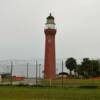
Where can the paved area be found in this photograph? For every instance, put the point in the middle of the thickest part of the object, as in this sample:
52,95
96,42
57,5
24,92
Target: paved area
30,81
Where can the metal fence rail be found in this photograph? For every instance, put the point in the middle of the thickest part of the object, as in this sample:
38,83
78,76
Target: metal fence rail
31,72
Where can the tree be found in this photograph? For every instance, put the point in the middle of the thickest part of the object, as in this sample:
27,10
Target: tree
78,70
86,66
90,67
71,64
95,67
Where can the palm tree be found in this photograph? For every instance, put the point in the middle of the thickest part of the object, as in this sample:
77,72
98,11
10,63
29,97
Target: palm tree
71,64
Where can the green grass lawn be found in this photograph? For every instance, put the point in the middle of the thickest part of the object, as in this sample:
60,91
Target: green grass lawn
44,93
71,82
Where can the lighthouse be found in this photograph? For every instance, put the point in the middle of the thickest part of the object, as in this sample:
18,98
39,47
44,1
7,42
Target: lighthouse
50,56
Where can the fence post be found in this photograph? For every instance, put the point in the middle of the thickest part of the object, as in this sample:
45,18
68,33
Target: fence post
39,70
11,81
27,69
62,73
36,71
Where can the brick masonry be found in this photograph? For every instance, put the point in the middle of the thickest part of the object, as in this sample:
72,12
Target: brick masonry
50,60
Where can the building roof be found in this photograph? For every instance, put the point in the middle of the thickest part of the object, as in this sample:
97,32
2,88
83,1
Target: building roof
63,73
50,16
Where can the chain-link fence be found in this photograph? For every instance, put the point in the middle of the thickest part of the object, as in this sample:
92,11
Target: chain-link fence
31,72
21,71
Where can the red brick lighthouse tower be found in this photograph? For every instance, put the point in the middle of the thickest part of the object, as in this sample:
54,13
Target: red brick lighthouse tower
50,60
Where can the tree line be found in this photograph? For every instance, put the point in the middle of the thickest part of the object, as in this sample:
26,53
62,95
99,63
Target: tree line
87,68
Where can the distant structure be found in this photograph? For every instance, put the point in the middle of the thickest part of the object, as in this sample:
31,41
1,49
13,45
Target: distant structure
50,60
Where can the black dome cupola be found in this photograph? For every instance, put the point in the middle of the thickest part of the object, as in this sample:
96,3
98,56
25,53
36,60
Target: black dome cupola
50,24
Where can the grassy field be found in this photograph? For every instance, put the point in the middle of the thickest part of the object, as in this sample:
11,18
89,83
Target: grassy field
83,91
37,93
71,82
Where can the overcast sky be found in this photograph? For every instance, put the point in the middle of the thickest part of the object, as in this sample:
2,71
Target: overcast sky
22,25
